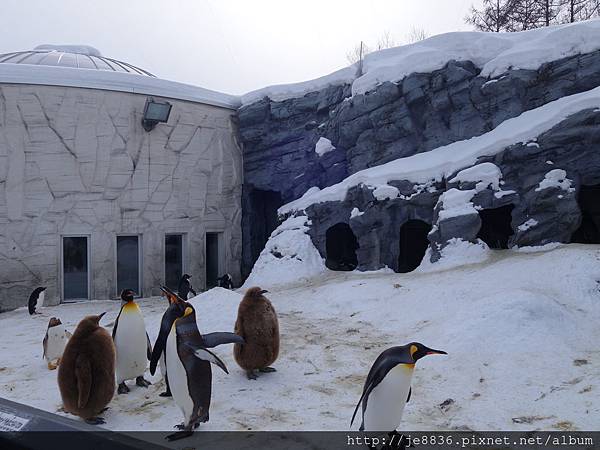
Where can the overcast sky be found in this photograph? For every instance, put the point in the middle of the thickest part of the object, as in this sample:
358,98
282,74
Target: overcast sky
232,46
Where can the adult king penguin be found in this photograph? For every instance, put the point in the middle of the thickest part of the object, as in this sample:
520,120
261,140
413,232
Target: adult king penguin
132,343
387,388
37,296
188,365
174,310
86,374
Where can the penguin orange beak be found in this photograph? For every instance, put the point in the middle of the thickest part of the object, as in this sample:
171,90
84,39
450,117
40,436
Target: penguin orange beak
435,352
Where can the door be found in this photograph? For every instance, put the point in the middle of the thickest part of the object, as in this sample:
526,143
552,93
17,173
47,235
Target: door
128,264
173,260
212,259
75,262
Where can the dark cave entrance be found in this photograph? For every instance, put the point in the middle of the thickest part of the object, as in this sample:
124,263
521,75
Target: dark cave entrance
341,245
263,218
589,204
495,226
413,244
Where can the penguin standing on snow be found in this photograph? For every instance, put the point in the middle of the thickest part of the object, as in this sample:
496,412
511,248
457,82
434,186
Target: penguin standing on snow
185,287
54,342
37,296
387,388
175,309
132,343
188,365
86,374
257,323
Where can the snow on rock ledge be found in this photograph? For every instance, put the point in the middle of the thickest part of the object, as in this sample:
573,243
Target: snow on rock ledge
494,53
289,256
455,253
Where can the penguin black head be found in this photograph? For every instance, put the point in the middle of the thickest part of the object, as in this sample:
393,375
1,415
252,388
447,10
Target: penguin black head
186,276
418,351
54,321
127,295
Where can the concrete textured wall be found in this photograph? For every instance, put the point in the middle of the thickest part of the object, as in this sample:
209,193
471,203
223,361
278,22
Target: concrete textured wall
77,161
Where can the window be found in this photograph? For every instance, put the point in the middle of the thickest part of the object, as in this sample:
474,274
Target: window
173,260
212,259
128,264
75,263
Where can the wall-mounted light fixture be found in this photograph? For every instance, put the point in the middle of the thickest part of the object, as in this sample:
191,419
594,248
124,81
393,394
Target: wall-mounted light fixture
155,112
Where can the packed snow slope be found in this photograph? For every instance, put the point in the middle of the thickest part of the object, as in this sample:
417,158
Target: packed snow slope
494,53
521,332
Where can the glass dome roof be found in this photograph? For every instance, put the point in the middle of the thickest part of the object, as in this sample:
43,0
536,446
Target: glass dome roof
74,56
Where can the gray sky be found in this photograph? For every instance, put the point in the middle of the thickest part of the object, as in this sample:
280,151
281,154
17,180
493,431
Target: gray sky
232,46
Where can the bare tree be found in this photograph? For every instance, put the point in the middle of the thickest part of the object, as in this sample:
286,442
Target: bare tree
576,10
526,15
357,53
495,15
386,40
416,34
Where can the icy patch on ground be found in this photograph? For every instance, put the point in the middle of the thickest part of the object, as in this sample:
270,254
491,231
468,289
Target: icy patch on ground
456,253
289,256
538,248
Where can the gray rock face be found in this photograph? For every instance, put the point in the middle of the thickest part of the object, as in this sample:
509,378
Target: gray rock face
420,113
539,214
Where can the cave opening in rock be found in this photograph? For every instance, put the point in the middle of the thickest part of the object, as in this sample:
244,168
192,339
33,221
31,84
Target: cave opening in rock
496,226
589,204
413,244
341,245
263,218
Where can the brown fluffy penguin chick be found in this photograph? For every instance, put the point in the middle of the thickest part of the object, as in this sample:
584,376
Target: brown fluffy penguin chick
257,324
86,375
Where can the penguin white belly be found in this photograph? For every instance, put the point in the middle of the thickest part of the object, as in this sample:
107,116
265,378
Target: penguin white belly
131,344
387,400
55,345
178,378
41,298
162,363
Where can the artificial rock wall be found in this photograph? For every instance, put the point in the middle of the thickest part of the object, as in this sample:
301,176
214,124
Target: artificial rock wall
77,161
422,112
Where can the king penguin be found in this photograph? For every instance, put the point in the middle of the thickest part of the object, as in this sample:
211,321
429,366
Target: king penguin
37,296
86,374
54,342
387,388
174,310
132,343
188,365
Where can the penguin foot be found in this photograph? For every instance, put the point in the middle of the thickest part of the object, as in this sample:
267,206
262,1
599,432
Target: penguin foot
251,375
267,369
165,394
179,435
123,388
95,421
140,381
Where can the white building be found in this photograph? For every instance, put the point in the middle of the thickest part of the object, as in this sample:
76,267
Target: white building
91,202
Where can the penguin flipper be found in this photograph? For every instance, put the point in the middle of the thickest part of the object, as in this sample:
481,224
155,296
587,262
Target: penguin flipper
207,355
409,394
212,340
45,344
114,330
148,347
83,374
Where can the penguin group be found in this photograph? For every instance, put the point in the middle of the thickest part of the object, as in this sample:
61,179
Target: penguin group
92,363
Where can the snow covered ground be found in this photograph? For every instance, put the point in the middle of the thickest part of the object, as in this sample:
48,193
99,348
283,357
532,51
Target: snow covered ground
521,332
